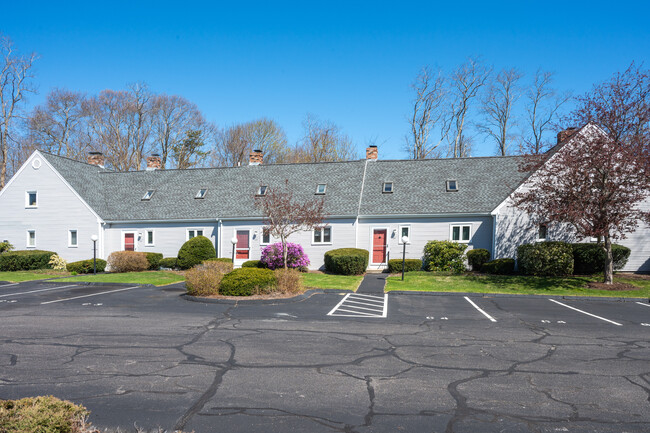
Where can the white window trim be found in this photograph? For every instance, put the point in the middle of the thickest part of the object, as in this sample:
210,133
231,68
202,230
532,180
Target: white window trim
135,239
539,239
399,234
27,239
70,244
27,205
447,184
146,238
460,241
189,229
372,245
322,237
392,187
262,238
324,189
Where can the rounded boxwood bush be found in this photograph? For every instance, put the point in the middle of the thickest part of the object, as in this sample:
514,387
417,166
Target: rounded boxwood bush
247,282
86,266
168,262
590,258
347,261
195,251
499,267
253,264
477,257
444,256
154,260
550,259
219,259
25,260
395,265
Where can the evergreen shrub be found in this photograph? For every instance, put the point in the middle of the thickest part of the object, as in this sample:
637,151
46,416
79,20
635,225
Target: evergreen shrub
445,256
477,258
499,267
25,260
550,259
86,266
195,251
589,258
247,282
347,261
395,265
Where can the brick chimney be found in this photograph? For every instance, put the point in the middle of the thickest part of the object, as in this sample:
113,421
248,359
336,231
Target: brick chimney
96,158
563,136
256,157
154,162
371,152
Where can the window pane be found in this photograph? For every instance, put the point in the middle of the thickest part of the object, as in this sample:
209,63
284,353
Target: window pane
150,237
266,237
405,232
465,233
73,237
317,236
32,239
32,199
388,187
542,231
327,234
190,234
455,233
199,232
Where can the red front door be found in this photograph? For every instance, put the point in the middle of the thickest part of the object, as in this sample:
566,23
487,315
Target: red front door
242,250
129,242
379,246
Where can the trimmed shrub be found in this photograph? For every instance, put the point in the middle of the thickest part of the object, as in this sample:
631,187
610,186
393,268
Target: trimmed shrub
347,261
550,259
195,251
5,246
168,262
86,266
289,280
252,264
477,258
273,258
590,258
127,261
57,262
25,260
204,279
219,259
444,256
395,265
154,260
499,267
247,282
46,414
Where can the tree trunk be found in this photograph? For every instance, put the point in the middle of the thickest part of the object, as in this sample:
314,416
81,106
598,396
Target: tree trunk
284,252
609,261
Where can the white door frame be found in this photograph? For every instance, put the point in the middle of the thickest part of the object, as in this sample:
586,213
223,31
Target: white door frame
372,245
135,239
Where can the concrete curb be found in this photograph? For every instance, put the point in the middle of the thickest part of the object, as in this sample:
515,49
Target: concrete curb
89,283
298,298
509,295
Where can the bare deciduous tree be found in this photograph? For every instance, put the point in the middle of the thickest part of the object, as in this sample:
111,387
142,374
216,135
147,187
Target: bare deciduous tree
543,105
15,83
323,142
58,125
466,81
502,93
234,144
286,215
429,112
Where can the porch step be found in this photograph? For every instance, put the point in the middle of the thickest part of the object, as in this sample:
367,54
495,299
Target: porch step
373,284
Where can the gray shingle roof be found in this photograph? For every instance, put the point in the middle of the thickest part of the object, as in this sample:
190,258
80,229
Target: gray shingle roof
419,187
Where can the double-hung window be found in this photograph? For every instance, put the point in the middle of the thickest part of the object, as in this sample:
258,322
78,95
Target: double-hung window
73,239
461,233
148,240
323,235
404,231
191,233
266,236
31,199
31,238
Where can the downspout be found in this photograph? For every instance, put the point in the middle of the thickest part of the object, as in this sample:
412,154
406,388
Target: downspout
356,221
218,237
494,236
100,235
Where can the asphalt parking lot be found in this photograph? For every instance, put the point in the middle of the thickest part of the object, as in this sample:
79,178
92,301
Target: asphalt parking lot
432,363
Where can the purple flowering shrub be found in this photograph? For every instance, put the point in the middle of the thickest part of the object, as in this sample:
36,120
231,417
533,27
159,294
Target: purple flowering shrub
273,257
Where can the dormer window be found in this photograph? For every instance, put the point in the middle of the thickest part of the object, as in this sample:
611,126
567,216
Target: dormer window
201,193
262,190
148,194
452,185
320,189
387,188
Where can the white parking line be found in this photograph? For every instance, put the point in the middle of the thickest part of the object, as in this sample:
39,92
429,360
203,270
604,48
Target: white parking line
645,305
12,284
88,296
39,290
354,303
339,304
374,298
492,319
379,302
584,312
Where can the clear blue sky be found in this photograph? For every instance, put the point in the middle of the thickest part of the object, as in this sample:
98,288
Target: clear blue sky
348,62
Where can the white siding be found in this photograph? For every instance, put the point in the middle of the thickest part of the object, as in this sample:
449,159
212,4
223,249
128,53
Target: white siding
422,231
639,243
168,237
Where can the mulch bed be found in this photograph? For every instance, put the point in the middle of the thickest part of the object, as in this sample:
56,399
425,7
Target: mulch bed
615,287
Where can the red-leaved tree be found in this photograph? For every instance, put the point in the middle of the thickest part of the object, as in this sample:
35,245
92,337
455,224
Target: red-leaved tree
285,215
597,180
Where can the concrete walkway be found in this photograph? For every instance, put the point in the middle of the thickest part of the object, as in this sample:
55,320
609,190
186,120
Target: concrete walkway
373,284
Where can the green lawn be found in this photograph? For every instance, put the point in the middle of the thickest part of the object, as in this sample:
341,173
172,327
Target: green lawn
511,284
329,281
41,274
157,278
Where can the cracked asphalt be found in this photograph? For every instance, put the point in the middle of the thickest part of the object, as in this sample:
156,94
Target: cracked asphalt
147,357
